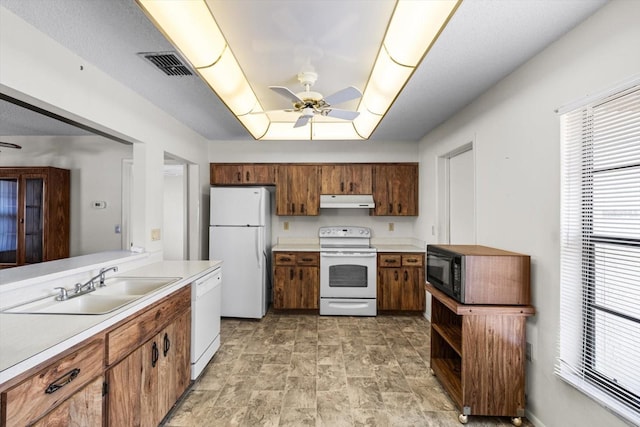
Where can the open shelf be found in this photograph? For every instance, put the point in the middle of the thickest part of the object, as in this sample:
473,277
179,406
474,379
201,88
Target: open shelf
448,372
452,334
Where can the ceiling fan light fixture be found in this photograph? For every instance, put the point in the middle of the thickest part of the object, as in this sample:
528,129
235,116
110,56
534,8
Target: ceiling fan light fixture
413,28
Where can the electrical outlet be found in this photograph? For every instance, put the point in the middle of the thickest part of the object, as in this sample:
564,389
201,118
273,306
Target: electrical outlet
391,226
529,352
285,225
155,234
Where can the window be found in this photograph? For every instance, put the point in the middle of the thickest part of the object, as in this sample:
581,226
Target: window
599,347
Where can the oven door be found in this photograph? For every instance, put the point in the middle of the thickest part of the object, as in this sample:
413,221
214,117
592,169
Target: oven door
348,274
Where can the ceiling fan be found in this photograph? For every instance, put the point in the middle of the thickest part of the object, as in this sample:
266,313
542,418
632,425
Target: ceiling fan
310,103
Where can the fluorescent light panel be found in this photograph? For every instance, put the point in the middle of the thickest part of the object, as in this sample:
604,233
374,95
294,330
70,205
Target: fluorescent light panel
412,30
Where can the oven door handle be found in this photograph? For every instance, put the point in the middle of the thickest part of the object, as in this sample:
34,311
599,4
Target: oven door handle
348,254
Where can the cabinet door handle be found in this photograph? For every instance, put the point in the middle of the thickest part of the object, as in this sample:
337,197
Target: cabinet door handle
62,381
406,275
342,187
399,207
390,207
302,208
300,274
395,275
351,187
239,177
154,354
293,208
247,175
167,345
291,274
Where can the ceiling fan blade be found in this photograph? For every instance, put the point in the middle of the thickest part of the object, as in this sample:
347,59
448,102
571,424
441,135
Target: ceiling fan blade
346,94
342,114
302,120
286,92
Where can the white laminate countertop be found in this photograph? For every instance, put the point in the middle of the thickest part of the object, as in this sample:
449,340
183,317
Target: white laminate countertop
381,247
27,340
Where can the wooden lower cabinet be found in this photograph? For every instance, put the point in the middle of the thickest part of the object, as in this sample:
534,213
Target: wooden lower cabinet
144,386
143,364
84,408
59,391
478,355
401,282
296,283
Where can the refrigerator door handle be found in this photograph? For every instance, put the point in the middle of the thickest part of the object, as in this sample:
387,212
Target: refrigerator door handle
257,245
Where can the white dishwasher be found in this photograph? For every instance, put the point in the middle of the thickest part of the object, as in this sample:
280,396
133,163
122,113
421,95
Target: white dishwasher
206,296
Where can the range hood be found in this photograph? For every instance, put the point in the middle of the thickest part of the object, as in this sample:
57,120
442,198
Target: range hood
350,201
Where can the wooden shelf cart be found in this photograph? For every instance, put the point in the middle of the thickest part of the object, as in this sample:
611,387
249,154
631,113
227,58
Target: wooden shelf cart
478,355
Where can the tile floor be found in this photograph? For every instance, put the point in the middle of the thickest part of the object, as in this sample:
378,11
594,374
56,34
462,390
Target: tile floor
307,370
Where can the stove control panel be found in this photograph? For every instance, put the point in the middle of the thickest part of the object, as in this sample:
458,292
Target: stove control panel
334,232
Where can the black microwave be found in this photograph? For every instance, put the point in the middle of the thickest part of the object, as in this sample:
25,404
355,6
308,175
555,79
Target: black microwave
473,274
444,271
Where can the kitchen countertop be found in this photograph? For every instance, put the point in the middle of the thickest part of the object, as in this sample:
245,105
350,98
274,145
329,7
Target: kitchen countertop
27,340
382,245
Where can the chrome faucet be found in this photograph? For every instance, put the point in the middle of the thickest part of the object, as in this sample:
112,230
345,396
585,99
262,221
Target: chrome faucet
63,294
103,271
85,288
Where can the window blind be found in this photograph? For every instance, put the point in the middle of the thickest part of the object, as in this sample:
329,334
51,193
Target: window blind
599,340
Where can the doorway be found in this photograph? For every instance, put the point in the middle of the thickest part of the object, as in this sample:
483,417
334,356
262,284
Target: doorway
456,196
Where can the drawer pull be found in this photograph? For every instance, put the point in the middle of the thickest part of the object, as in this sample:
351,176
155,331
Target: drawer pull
283,259
307,259
390,261
63,381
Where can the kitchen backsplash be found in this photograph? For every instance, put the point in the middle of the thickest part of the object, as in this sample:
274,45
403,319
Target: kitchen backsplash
306,227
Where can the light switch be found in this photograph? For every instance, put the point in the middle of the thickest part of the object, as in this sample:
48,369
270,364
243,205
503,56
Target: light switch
98,204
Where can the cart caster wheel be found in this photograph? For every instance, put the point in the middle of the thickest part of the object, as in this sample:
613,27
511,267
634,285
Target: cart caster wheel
431,370
516,421
463,418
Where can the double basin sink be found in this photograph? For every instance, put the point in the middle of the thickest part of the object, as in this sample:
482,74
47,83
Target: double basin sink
117,292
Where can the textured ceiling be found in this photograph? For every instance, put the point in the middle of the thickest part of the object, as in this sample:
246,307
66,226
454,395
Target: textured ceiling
484,41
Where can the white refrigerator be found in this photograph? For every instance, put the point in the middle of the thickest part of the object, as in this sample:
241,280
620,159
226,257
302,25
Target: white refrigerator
240,236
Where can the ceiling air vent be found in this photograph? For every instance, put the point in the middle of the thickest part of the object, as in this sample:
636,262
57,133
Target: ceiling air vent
167,62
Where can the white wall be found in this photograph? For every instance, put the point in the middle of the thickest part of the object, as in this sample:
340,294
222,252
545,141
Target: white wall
517,143
39,71
323,152
96,175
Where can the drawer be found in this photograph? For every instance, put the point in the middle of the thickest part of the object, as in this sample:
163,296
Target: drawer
131,335
389,260
308,258
31,399
285,258
415,260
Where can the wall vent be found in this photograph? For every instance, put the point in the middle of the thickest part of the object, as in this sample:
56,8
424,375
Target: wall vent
167,62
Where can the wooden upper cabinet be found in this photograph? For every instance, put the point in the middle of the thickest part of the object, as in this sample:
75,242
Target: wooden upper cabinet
395,189
345,179
297,190
242,173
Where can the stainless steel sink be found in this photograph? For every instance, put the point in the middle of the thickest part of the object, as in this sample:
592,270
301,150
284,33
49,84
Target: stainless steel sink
117,292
